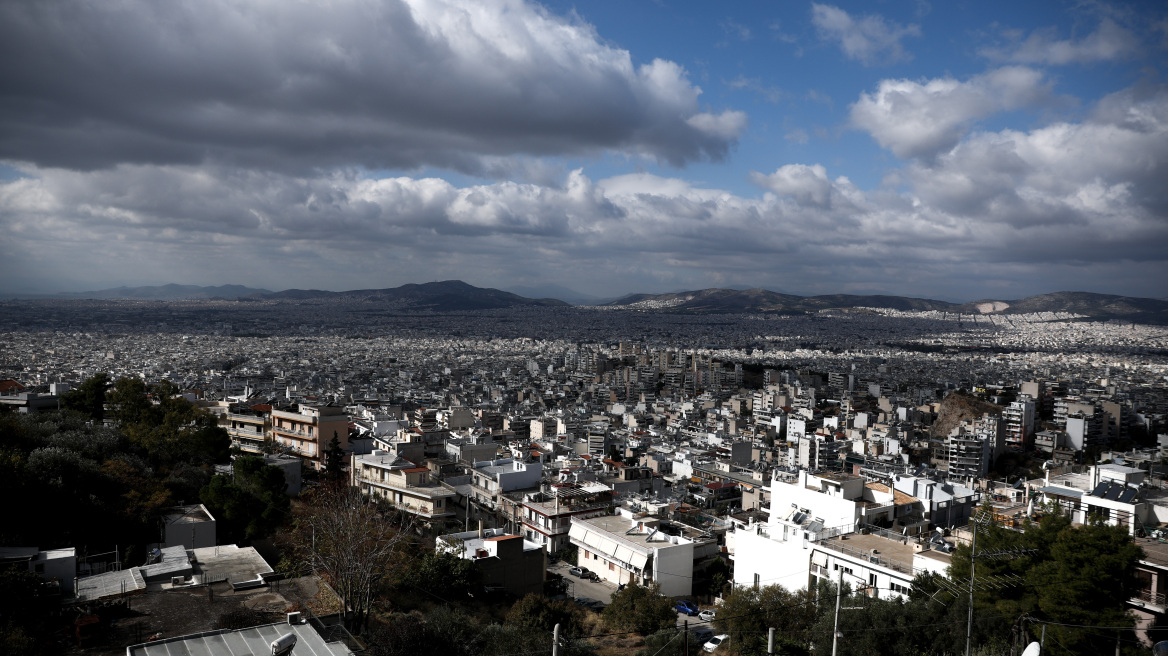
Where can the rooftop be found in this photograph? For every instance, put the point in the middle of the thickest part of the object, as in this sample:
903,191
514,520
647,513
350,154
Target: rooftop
894,554
256,640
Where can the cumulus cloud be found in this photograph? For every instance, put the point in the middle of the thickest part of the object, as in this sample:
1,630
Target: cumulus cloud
299,86
1107,43
1033,203
806,185
921,119
870,40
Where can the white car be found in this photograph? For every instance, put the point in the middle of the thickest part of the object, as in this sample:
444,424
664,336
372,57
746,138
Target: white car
714,642
707,615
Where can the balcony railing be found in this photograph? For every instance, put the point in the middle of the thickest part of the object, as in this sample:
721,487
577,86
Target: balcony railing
868,557
1154,598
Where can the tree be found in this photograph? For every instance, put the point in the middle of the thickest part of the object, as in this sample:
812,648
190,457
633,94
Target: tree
253,505
746,614
640,608
670,642
334,459
353,546
89,397
442,573
537,613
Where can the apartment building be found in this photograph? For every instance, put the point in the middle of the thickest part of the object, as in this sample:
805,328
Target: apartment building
806,511
1019,419
248,428
972,446
490,479
622,549
309,431
547,515
403,483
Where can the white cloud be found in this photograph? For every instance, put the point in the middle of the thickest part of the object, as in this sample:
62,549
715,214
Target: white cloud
807,185
1107,43
295,86
1033,203
920,119
869,39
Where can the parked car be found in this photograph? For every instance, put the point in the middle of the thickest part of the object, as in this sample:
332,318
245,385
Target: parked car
714,642
702,635
707,615
577,572
686,606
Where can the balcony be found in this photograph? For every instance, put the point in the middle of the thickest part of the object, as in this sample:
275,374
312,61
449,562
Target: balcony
1147,597
293,433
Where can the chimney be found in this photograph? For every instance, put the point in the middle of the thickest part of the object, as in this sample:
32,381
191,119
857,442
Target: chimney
480,529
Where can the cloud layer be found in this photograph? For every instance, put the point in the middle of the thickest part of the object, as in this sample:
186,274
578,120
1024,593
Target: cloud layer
1046,205
296,86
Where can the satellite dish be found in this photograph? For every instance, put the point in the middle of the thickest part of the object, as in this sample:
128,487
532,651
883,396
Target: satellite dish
1160,648
1032,649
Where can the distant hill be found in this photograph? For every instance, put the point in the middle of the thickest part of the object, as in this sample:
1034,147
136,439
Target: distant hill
446,296
1095,306
762,300
171,292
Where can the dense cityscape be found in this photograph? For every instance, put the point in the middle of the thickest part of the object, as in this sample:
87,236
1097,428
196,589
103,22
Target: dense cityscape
521,327
714,460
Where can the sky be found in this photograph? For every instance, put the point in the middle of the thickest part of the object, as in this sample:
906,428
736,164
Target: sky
949,150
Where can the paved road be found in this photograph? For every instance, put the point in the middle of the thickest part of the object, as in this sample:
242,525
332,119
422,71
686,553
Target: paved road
579,588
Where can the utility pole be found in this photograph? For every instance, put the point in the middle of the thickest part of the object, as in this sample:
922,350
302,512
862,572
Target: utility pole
556,640
686,639
972,561
839,592
771,641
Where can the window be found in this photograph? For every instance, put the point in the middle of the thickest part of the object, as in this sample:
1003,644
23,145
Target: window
611,567
872,580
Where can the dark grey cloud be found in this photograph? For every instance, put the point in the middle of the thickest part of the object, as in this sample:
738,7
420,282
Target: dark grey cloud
1069,205
299,86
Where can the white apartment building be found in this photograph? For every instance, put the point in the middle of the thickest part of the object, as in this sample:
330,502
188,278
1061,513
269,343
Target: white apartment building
623,549
806,512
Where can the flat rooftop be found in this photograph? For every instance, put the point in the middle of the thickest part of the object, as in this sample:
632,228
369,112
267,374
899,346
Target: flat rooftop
231,563
861,546
1155,552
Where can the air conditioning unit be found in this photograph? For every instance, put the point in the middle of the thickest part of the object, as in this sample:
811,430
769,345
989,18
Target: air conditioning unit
178,580
294,617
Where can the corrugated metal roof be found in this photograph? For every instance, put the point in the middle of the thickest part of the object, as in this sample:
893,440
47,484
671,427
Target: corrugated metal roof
255,641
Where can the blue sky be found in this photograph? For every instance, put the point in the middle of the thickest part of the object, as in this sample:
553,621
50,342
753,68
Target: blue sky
950,150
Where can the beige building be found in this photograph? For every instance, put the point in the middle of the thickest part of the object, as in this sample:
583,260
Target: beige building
247,431
403,483
308,432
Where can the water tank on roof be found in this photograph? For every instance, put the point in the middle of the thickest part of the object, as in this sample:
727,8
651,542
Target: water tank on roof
283,645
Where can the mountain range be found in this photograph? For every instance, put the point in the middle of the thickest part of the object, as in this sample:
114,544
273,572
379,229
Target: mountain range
1095,306
455,295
